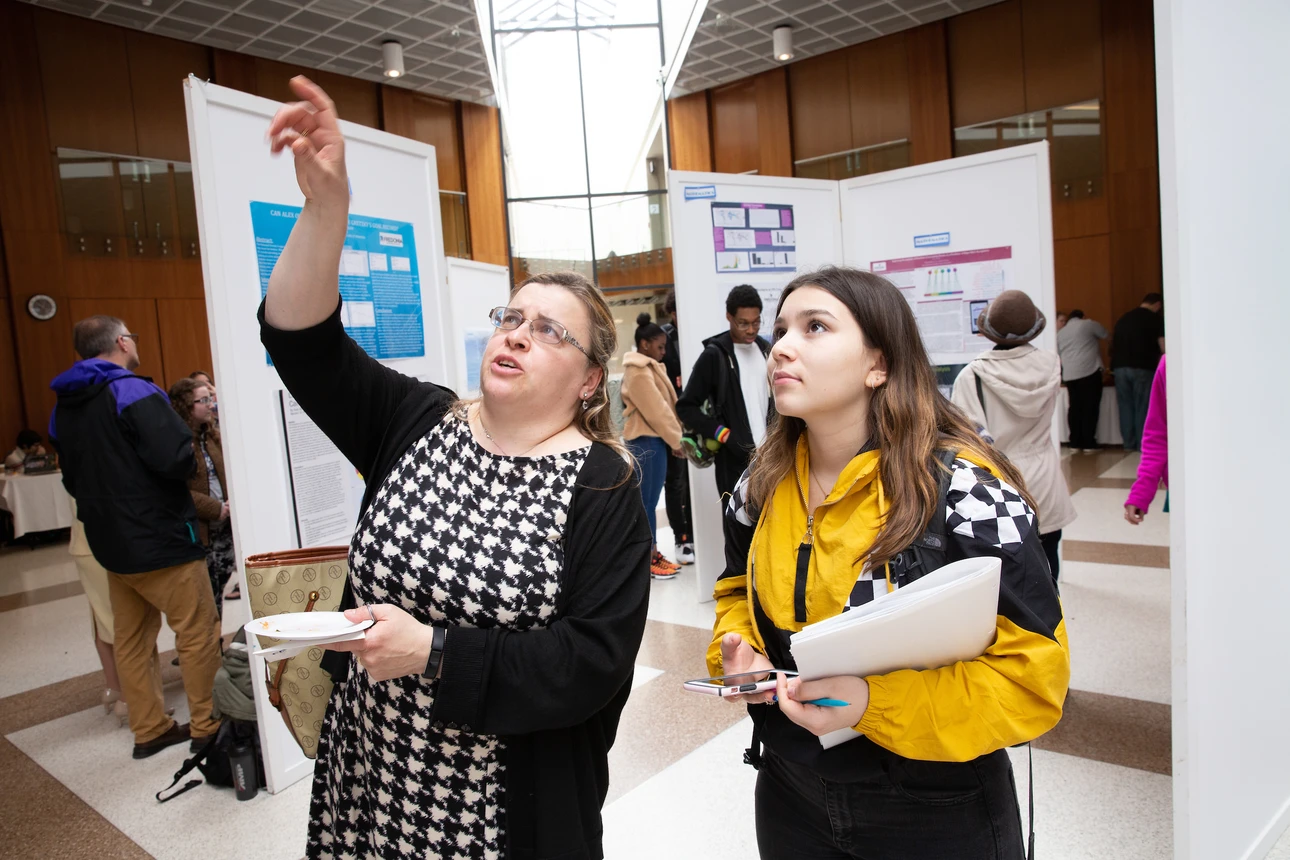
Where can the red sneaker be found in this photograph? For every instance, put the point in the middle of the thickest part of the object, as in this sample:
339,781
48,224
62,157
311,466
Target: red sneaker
661,568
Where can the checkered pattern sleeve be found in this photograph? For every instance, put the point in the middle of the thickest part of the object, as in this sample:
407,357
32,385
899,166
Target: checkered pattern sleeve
734,614
1014,691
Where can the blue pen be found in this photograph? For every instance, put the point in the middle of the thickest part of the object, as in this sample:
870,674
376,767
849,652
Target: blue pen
828,703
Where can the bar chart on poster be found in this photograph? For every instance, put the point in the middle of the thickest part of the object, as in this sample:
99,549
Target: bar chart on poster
754,237
947,292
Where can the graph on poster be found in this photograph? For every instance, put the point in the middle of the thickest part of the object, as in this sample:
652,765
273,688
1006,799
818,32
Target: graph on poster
948,291
754,237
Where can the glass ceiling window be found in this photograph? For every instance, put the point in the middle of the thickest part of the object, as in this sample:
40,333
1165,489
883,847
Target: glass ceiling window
580,84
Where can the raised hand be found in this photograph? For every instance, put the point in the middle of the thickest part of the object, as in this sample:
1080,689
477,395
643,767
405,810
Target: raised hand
310,129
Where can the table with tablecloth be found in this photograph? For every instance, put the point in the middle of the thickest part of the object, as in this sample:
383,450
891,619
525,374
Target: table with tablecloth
38,503
1108,418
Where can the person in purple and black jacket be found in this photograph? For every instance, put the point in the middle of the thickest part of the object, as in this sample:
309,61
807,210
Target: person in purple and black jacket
126,459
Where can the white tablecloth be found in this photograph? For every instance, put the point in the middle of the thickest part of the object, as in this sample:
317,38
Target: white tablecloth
38,502
1108,419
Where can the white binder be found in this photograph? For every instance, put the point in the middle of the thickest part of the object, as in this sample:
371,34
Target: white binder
945,617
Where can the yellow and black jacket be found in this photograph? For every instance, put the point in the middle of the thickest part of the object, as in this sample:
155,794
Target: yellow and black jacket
1011,694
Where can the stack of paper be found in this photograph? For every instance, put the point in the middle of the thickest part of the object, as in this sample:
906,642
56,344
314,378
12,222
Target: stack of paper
945,617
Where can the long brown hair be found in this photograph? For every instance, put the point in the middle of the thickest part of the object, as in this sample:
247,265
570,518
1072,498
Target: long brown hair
909,419
594,421
181,398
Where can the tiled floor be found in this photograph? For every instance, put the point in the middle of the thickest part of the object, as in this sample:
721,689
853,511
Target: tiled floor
1102,788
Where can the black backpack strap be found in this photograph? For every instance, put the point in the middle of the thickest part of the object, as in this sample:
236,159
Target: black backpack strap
752,755
930,550
980,396
189,766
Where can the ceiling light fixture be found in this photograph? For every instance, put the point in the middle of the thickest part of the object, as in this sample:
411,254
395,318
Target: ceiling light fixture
392,54
782,43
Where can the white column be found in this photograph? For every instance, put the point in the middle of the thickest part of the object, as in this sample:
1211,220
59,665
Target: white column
1223,75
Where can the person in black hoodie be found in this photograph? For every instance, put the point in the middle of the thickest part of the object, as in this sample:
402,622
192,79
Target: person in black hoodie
501,551
676,489
727,397
126,459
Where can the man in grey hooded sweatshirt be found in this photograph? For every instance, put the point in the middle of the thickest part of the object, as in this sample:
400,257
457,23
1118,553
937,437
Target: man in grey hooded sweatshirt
1012,391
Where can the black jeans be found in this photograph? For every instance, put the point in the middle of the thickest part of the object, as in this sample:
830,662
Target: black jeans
676,493
1050,542
913,811
1085,405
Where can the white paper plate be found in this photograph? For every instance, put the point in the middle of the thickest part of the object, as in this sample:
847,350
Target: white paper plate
304,626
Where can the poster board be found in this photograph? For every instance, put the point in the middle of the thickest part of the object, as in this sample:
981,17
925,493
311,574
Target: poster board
474,289
712,217
394,181
954,234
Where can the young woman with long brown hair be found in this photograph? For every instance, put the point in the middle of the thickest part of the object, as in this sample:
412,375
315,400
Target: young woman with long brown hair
864,461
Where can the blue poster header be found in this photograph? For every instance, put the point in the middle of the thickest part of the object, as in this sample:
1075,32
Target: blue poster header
700,192
931,240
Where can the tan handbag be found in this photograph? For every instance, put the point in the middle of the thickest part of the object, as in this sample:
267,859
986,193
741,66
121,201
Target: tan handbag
299,580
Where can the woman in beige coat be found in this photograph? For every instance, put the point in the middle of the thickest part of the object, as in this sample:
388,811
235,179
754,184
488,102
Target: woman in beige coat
651,429
1012,391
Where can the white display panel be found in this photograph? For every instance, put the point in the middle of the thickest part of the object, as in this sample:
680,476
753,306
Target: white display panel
703,281
392,179
990,219
474,289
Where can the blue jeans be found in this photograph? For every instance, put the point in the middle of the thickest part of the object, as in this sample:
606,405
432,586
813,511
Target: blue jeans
651,471
1132,394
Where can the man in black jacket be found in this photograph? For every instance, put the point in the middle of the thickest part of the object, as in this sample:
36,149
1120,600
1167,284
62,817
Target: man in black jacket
727,397
126,459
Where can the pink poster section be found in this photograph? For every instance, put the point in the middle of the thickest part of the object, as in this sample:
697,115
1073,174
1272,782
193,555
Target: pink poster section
948,292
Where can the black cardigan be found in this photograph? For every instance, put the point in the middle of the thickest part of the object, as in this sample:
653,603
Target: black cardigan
554,695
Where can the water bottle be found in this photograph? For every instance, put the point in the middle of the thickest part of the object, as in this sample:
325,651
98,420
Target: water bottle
241,761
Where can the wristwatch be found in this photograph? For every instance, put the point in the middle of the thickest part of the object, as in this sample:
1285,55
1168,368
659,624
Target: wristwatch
436,653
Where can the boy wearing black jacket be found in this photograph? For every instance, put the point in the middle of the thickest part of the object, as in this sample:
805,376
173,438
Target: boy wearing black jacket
730,377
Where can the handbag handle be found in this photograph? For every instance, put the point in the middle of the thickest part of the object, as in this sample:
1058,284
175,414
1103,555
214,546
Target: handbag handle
274,684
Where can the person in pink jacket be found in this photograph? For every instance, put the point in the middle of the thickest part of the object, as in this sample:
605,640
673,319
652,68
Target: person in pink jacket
1154,467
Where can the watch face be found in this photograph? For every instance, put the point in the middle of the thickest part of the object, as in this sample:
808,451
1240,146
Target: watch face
42,307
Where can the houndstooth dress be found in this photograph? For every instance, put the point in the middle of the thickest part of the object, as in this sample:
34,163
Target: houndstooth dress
456,536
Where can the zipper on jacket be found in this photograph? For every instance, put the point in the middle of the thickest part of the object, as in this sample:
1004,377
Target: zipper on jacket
803,560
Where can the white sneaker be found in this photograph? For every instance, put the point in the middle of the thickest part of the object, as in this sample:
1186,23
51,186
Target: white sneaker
685,553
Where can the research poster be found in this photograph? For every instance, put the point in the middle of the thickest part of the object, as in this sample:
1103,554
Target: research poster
326,489
380,287
947,293
754,237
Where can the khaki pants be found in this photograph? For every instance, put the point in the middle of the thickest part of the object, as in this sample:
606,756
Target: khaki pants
183,593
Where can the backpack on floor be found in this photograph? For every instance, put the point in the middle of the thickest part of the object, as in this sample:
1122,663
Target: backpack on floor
213,760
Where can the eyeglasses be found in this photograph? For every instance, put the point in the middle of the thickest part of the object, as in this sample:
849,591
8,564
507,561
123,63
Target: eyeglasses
544,330
206,401
742,325
133,337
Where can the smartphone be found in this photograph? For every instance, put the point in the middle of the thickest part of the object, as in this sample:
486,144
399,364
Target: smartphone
740,684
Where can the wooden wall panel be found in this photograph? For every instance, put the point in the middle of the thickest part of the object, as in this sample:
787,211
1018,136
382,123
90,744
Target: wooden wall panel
689,133
1133,172
429,120
44,348
1082,270
986,64
12,415
184,338
140,316
236,71
86,78
734,128
821,106
357,101
485,197
774,138
931,133
1082,216
1062,42
879,86
158,67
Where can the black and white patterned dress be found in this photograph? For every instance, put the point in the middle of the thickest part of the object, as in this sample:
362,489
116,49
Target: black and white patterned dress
456,536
